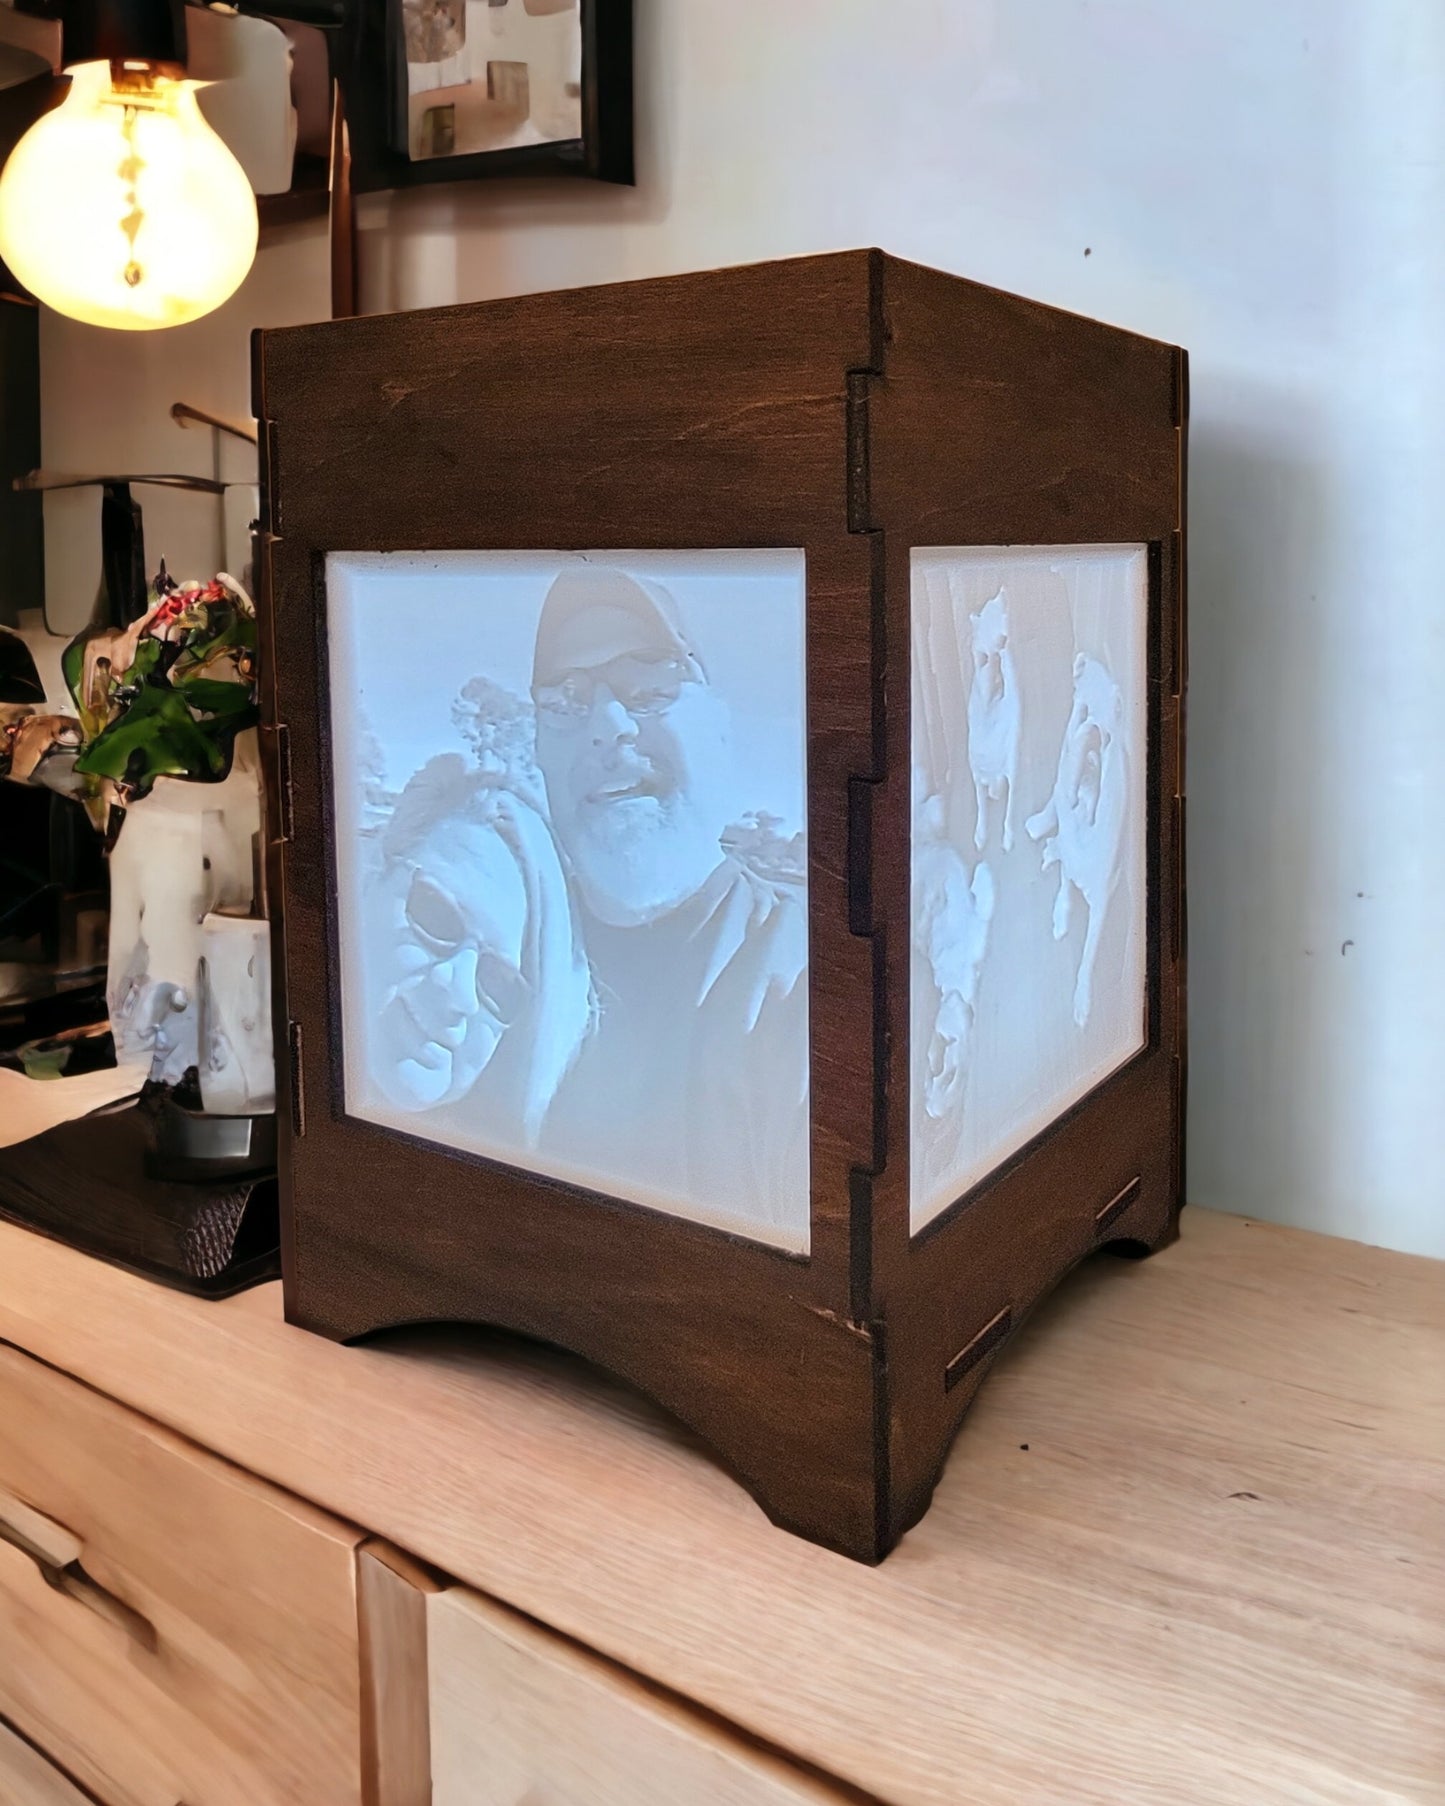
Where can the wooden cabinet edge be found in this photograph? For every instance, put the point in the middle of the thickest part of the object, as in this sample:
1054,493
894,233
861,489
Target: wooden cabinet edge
29,1778
633,1713
145,1527
391,1603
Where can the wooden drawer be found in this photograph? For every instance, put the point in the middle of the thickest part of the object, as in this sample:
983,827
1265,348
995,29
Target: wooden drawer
28,1779
173,1629
521,1717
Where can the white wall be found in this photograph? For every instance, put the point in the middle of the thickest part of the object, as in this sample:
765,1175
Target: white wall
1261,183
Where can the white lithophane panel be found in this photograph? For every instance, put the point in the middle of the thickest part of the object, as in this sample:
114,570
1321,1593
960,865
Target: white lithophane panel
569,795
1028,925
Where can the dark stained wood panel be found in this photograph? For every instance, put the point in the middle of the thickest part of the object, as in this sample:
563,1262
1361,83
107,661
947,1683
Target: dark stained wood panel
854,407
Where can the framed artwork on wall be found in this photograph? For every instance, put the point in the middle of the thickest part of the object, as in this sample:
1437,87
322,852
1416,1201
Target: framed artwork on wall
442,90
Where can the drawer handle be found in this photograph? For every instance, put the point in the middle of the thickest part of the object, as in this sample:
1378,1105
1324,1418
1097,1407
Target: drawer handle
55,1552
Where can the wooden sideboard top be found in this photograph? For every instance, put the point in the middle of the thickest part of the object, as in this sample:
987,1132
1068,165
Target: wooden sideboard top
1210,1482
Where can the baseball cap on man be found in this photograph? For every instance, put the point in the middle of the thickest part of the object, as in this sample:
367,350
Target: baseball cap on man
594,614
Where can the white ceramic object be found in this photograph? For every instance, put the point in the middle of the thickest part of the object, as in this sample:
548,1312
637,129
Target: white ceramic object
236,1063
184,851
248,104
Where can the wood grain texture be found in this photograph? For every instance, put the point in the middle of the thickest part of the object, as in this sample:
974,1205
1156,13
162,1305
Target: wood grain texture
998,421
1214,1577
30,1530
853,406
391,1594
521,1717
722,400
204,1645
27,1779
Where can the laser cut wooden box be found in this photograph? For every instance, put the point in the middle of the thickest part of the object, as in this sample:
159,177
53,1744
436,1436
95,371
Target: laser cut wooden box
726,751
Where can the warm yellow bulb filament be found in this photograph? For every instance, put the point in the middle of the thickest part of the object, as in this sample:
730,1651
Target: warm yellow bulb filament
123,208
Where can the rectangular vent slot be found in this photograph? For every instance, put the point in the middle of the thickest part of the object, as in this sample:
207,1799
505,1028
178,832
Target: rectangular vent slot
1117,1205
982,1345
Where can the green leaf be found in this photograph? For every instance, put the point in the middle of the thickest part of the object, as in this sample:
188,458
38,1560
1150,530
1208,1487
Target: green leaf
72,666
156,736
227,630
213,696
148,655
159,737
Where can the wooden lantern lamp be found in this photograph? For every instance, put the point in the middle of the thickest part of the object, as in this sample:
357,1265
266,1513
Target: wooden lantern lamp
726,750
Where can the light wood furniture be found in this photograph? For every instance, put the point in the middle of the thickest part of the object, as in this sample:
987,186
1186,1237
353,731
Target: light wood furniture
1188,1548
518,1714
28,1779
173,1628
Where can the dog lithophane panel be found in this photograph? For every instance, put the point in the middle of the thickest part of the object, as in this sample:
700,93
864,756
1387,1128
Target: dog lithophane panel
571,870
1029,685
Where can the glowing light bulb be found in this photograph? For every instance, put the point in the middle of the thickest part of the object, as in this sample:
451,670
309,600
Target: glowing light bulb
122,207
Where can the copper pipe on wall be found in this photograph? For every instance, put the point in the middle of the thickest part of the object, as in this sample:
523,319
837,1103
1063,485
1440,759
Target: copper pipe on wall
60,479
342,218
185,415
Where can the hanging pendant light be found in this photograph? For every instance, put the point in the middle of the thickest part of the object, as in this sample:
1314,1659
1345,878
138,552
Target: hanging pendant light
122,207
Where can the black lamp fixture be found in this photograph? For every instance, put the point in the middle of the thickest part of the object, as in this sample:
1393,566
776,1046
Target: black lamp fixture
128,32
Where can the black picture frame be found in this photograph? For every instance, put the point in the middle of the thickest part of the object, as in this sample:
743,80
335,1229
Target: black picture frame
373,75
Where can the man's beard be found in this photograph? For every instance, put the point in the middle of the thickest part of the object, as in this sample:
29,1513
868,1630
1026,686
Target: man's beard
638,858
